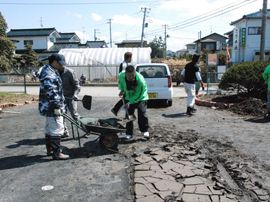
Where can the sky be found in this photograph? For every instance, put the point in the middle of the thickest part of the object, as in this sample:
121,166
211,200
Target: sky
182,20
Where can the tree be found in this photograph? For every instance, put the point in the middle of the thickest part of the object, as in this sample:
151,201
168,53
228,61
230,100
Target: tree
6,47
204,55
157,47
30,58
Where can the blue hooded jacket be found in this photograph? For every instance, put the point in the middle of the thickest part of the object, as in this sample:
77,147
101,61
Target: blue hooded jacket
51,93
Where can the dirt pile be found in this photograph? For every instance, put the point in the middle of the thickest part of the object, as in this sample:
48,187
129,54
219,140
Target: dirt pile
243,105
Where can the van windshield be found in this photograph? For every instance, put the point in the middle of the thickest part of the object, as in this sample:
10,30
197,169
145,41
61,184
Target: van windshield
152,71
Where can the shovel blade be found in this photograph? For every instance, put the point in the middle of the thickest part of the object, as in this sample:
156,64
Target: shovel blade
87,102
129,118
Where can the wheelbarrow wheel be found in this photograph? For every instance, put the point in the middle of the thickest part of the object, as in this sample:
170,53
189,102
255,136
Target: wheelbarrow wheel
108,141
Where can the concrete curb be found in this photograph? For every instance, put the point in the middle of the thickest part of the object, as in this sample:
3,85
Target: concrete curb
7,105
211,104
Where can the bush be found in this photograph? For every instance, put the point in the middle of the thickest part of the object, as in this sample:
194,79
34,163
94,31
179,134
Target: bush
246,77
222,59
189,57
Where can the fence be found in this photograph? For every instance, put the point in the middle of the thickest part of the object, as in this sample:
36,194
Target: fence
18,80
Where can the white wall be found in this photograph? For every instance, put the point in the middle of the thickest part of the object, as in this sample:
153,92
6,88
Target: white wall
253,42
39,42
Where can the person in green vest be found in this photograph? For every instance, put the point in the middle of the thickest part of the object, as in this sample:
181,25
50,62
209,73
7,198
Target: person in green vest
266,76
134,90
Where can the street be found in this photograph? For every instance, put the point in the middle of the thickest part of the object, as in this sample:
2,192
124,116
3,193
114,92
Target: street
219,138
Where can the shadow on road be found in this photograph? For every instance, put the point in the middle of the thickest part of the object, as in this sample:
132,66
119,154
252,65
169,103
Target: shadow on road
20,161
261,120
39,141
178,115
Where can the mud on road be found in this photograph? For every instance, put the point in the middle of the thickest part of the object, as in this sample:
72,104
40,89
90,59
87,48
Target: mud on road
226,152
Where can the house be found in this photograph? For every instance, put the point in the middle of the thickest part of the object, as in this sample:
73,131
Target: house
212,42
245,39
181,52
170,53
191,48
129,43
68,37
41,39
97,44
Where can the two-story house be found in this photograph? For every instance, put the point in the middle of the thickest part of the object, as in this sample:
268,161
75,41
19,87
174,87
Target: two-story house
212,42
41,39
191,48
245,39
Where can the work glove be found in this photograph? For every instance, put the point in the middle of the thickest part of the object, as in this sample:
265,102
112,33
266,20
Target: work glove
121,94
75,97
127,105
57,112
202,85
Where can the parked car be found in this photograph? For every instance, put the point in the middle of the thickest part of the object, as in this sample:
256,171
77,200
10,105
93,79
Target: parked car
159,81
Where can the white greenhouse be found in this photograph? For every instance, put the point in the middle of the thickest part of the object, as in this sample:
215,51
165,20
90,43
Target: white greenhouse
102,64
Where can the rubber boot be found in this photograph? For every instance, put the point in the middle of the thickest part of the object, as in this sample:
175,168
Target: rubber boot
193,110
48,144
56,146
189,109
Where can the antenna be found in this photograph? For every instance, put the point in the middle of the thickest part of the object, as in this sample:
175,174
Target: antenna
41,22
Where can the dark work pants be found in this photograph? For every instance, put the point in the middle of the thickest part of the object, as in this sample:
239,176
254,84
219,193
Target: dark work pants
142,117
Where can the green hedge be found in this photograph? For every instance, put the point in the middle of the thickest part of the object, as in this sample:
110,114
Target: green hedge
246,77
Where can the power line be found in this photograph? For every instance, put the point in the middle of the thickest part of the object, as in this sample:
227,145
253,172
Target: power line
61,4
207,16
199,17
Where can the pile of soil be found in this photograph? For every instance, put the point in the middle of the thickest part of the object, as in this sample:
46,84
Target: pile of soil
243,104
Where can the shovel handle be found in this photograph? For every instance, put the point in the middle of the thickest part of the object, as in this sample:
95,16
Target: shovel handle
124,107
70,98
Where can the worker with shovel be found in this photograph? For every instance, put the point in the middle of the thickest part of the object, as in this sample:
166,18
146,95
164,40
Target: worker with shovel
51,105
71,89
134,90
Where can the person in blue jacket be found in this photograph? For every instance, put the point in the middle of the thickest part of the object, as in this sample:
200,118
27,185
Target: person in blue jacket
51,104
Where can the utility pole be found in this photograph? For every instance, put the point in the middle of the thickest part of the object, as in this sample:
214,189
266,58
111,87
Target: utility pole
264,17
95,32
143,25
110,22
83,35
165,38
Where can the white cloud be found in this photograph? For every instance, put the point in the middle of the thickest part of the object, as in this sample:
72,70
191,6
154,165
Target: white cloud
77,15
96,17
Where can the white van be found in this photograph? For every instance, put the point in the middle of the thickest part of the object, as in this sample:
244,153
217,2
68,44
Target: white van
159,81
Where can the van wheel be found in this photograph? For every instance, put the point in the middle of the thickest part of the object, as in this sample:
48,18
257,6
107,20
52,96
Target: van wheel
169,103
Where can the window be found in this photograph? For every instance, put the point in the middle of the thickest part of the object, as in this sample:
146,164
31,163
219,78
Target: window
210,46
25,42
254,30
52,39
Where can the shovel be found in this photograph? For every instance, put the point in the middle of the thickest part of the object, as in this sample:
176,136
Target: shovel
87,101
128,117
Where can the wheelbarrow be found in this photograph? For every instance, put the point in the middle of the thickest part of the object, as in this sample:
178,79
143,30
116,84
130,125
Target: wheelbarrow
106,129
